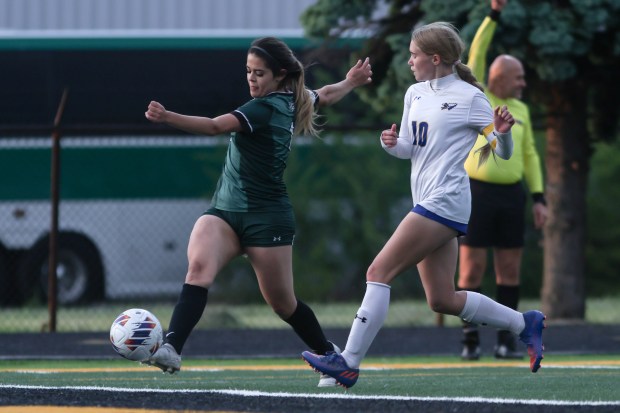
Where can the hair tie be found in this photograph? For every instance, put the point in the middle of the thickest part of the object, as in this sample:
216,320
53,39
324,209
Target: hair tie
454,65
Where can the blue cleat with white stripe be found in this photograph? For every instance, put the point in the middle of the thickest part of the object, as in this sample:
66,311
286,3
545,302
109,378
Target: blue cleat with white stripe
334,365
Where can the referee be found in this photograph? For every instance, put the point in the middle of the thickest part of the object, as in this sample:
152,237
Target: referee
498,196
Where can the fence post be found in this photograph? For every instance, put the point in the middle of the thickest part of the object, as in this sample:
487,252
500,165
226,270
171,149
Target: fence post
52,303
439,320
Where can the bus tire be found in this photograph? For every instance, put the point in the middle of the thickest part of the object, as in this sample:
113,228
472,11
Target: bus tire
79,270
7,295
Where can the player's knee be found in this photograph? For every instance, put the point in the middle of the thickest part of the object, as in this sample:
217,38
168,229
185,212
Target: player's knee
377,275
470,277
282,310
507,278
438,305
197,275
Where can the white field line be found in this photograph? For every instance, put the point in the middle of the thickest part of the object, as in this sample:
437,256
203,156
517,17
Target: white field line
249,393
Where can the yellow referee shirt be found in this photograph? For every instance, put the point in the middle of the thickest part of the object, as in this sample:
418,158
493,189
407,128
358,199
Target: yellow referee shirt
525,162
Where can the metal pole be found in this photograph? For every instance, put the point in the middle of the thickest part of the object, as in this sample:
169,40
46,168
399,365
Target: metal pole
54,194
439,320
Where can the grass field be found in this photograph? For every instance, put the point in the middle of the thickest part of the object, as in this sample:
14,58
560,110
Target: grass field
564,382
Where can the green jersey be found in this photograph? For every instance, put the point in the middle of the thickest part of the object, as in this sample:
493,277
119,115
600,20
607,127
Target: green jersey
253,174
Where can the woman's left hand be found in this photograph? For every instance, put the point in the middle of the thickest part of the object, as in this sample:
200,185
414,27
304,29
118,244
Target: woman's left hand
502,119
360,74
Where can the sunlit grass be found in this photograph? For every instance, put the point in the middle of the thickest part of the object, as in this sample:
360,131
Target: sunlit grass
596,379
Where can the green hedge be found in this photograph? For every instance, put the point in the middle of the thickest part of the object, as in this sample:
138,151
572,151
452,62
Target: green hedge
603,246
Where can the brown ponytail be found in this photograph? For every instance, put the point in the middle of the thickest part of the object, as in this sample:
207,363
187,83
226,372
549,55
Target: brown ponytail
278,56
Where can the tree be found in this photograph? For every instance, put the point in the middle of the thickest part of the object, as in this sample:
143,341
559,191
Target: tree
571,51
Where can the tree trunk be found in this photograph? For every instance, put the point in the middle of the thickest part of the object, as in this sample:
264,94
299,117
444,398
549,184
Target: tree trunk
567,165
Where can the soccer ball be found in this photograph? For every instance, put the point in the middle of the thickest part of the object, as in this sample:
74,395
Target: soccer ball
136,334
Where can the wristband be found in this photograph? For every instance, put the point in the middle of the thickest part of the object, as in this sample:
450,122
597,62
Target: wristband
494,14
539,197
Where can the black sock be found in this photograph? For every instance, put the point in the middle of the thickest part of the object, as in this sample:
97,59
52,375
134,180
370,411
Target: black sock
475,290
508,295
307,327
186,314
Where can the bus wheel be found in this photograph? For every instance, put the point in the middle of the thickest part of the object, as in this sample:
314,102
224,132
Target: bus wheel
6,283
79,270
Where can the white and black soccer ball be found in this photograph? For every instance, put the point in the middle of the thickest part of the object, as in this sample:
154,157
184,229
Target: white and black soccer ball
136,334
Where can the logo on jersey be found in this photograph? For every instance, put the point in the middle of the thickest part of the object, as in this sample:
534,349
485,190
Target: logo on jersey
362,319
448,106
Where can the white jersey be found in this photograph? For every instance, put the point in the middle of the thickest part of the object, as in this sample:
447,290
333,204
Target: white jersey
442,119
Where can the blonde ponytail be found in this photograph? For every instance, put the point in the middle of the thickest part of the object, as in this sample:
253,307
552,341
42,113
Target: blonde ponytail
305,116
465,73
484,153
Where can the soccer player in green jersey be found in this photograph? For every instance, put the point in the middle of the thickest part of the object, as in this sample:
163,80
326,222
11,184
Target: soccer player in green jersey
250,212
498,198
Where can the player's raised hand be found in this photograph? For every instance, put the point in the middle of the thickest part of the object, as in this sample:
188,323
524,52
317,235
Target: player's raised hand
498,5
502,119
361,73
389,136
156,112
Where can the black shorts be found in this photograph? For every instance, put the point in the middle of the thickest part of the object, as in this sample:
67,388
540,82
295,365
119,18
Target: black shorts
497,216
260,229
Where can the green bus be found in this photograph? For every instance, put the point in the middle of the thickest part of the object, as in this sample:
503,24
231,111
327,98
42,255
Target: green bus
130,190
127,208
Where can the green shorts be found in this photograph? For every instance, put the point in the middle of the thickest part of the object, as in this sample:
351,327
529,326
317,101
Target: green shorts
260,229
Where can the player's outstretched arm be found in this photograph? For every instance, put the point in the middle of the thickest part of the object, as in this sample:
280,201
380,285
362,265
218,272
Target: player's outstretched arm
157,113
360,74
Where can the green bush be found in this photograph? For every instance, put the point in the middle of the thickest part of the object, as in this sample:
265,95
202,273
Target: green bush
603,245
349,195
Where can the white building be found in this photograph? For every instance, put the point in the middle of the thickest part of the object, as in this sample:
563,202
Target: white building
147,18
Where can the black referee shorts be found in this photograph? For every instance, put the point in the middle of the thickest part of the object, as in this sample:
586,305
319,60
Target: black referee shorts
497,216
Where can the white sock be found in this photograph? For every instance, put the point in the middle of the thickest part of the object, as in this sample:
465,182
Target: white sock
480,309
367,322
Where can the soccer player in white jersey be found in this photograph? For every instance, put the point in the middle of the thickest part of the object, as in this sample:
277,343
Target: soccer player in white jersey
443,114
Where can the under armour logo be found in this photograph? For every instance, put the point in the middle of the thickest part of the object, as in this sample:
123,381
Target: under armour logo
362,319
277,239
448,106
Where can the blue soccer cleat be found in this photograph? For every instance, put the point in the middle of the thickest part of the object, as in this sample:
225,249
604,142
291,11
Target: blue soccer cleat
334,365
532,337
